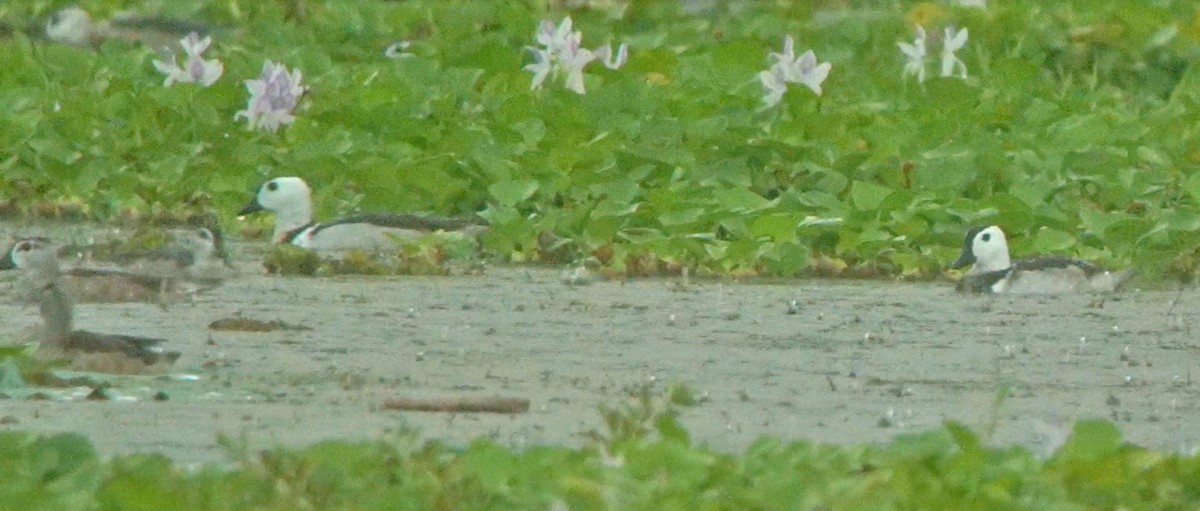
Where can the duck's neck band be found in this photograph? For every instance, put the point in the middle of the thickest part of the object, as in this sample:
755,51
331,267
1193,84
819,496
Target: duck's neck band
291,235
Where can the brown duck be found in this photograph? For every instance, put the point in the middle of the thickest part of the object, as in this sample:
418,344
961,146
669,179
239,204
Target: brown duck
41,285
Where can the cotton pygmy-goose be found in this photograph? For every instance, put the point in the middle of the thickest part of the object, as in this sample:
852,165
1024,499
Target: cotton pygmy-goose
290,199
992,270
39,262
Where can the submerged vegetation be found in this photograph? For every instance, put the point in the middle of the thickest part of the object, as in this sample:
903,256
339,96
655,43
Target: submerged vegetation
1072,124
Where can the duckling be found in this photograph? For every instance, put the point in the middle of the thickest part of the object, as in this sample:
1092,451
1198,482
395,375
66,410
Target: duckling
986,249
196,254
208,260
290,199
37,259
193,263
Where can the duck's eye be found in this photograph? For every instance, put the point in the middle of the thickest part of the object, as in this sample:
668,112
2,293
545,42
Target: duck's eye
986,237
203,234
24,247
272,186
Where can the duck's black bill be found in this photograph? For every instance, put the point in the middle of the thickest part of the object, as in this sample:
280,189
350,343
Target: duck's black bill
966,258
253,207
7,263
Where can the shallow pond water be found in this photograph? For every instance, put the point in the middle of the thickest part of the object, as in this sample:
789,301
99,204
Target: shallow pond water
856,361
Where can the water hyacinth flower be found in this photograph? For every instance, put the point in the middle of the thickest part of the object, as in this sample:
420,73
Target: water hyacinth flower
915,53
953,41
273,98
195,69
605,55
788,68
540,69
562,54
775,83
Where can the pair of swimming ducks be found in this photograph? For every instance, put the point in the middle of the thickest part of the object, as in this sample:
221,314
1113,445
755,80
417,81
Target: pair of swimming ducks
985,248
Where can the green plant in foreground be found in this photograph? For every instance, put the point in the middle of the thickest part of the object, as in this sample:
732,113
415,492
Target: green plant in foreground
21,369
644,461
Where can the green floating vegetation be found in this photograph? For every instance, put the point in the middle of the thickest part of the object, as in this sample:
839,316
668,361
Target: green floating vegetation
433,254
21,370
644,460
1074,128
288,259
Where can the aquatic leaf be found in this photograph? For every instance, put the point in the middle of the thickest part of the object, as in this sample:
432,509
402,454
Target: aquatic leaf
1193,186
10,374
511,193
1050,241
740,200
1092,440
867,196
776,227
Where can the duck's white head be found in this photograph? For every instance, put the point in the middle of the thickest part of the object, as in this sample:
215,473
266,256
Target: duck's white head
71,25
34,255
986,248
289,198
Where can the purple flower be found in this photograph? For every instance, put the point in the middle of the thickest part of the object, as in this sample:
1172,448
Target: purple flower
775,83
273,98
791,69
195,69
540,69
563,55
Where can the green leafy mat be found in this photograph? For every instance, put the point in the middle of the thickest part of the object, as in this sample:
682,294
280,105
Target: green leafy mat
645,461
1075,129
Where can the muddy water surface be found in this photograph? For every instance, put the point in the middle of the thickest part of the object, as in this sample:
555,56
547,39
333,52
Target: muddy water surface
856,361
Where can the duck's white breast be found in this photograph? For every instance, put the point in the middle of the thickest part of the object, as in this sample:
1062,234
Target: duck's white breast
1046,281
349,236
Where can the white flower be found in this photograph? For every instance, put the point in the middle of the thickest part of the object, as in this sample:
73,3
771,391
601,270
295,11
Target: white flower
916,54
788,69
540,69
772,79
604,54
810,73
572,60
273,97
552,37
953,42
195,69
562,54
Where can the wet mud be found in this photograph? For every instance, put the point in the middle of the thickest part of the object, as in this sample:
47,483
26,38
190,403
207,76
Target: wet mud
848,361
